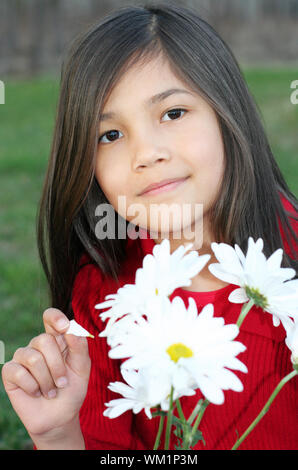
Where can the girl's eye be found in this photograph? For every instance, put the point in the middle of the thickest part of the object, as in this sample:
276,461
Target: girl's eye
175,113
113,134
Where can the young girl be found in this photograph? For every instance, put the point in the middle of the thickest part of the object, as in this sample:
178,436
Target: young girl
151,94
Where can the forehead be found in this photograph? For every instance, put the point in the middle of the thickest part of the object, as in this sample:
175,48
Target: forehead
144,79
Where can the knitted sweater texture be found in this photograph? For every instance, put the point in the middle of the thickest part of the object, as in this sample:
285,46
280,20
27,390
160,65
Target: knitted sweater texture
266,356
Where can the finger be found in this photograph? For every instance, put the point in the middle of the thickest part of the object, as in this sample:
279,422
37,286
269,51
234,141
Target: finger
78,355
16,376
35,363
55,322
47,345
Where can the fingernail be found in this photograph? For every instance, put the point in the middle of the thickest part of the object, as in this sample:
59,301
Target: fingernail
62,323
61,382
52,393
38,394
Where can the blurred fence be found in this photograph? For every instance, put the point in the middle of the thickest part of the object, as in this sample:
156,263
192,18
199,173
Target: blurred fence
34,33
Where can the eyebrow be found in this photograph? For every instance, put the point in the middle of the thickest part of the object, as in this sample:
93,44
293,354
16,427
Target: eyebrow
153,100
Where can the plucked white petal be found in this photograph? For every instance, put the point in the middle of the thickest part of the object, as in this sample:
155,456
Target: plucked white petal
77,330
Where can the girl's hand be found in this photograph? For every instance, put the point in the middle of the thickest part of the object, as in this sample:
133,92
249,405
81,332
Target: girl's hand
47,382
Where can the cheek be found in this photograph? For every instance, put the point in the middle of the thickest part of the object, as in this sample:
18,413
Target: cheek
206,151
206,157
107,179
111,179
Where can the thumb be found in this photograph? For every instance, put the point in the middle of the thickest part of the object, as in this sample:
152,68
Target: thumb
78,355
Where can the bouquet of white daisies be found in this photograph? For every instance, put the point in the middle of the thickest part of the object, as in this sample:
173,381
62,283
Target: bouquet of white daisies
171,350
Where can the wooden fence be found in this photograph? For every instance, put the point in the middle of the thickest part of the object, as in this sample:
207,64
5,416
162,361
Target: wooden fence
34,33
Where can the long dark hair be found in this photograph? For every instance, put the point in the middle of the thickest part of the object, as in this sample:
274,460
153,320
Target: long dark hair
249,202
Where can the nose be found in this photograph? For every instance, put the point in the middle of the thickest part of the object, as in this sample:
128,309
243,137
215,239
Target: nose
149,156
149,161
148,146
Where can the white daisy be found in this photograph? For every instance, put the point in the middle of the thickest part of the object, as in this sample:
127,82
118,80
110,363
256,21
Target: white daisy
135,395
160,275
260,279
117,331
146,389
195,350
291,341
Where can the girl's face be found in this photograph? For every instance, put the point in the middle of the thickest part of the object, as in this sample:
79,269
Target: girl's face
146,138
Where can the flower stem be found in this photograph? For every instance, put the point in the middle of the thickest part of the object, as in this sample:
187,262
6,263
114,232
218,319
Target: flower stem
245,309
160,428
199,418
180,411
195,411
265,408
169,421
188,441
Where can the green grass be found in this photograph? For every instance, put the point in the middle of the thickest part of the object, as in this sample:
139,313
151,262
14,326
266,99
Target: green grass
271,89
26,125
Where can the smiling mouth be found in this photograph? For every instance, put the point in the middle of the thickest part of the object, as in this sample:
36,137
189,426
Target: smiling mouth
166,187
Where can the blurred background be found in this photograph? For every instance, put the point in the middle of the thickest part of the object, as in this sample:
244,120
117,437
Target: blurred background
34,34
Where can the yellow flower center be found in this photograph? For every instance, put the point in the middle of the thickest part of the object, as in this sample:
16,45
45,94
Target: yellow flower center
177,350
156,291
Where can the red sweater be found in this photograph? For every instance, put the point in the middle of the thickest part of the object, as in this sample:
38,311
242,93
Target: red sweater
266,357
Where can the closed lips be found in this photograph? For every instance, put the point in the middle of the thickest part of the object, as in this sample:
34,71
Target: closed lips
161,184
